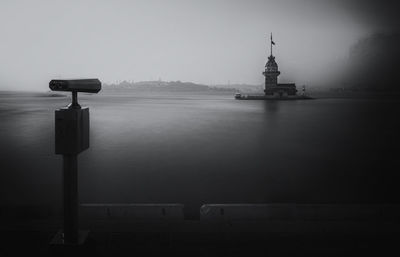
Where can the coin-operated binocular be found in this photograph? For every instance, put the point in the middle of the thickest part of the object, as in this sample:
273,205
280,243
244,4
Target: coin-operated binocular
72,122
72,138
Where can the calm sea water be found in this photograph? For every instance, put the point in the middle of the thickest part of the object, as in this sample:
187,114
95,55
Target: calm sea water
197,149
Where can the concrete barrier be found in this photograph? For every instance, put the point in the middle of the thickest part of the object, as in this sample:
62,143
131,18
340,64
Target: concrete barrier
214,212
132,211
312,212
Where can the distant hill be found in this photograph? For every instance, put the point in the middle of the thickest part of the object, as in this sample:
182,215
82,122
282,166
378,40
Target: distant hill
177,86
242,87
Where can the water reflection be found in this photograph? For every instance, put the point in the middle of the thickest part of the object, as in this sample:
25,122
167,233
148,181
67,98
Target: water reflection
271,107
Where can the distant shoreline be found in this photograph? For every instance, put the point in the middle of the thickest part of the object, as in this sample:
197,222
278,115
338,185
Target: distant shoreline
138,92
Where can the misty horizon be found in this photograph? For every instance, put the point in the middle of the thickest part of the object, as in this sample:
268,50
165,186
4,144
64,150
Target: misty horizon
207,42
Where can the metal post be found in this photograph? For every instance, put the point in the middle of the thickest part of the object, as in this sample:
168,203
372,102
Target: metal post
74,104
70,176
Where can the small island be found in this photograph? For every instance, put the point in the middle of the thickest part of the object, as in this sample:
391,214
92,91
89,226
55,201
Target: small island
274,90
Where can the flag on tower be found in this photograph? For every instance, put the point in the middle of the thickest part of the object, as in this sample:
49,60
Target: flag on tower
272,41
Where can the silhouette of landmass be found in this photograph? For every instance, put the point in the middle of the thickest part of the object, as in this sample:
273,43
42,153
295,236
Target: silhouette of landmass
179,86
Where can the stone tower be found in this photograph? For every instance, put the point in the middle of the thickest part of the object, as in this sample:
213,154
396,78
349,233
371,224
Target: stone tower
271,72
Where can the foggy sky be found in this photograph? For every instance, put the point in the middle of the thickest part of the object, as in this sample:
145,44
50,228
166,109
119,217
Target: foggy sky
208,41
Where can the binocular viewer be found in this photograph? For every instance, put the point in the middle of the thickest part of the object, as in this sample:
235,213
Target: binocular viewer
76,85
72,122
71,138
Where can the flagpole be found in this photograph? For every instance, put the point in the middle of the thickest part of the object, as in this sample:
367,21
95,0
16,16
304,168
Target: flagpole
271,44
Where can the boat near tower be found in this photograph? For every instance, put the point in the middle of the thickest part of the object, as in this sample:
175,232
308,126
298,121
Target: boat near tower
272,89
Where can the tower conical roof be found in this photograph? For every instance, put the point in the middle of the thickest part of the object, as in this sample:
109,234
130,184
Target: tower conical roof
271,65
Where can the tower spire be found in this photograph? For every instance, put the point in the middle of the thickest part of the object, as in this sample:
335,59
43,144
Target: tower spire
272,43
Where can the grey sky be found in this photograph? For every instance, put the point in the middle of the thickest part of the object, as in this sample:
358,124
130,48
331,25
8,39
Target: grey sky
208,41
